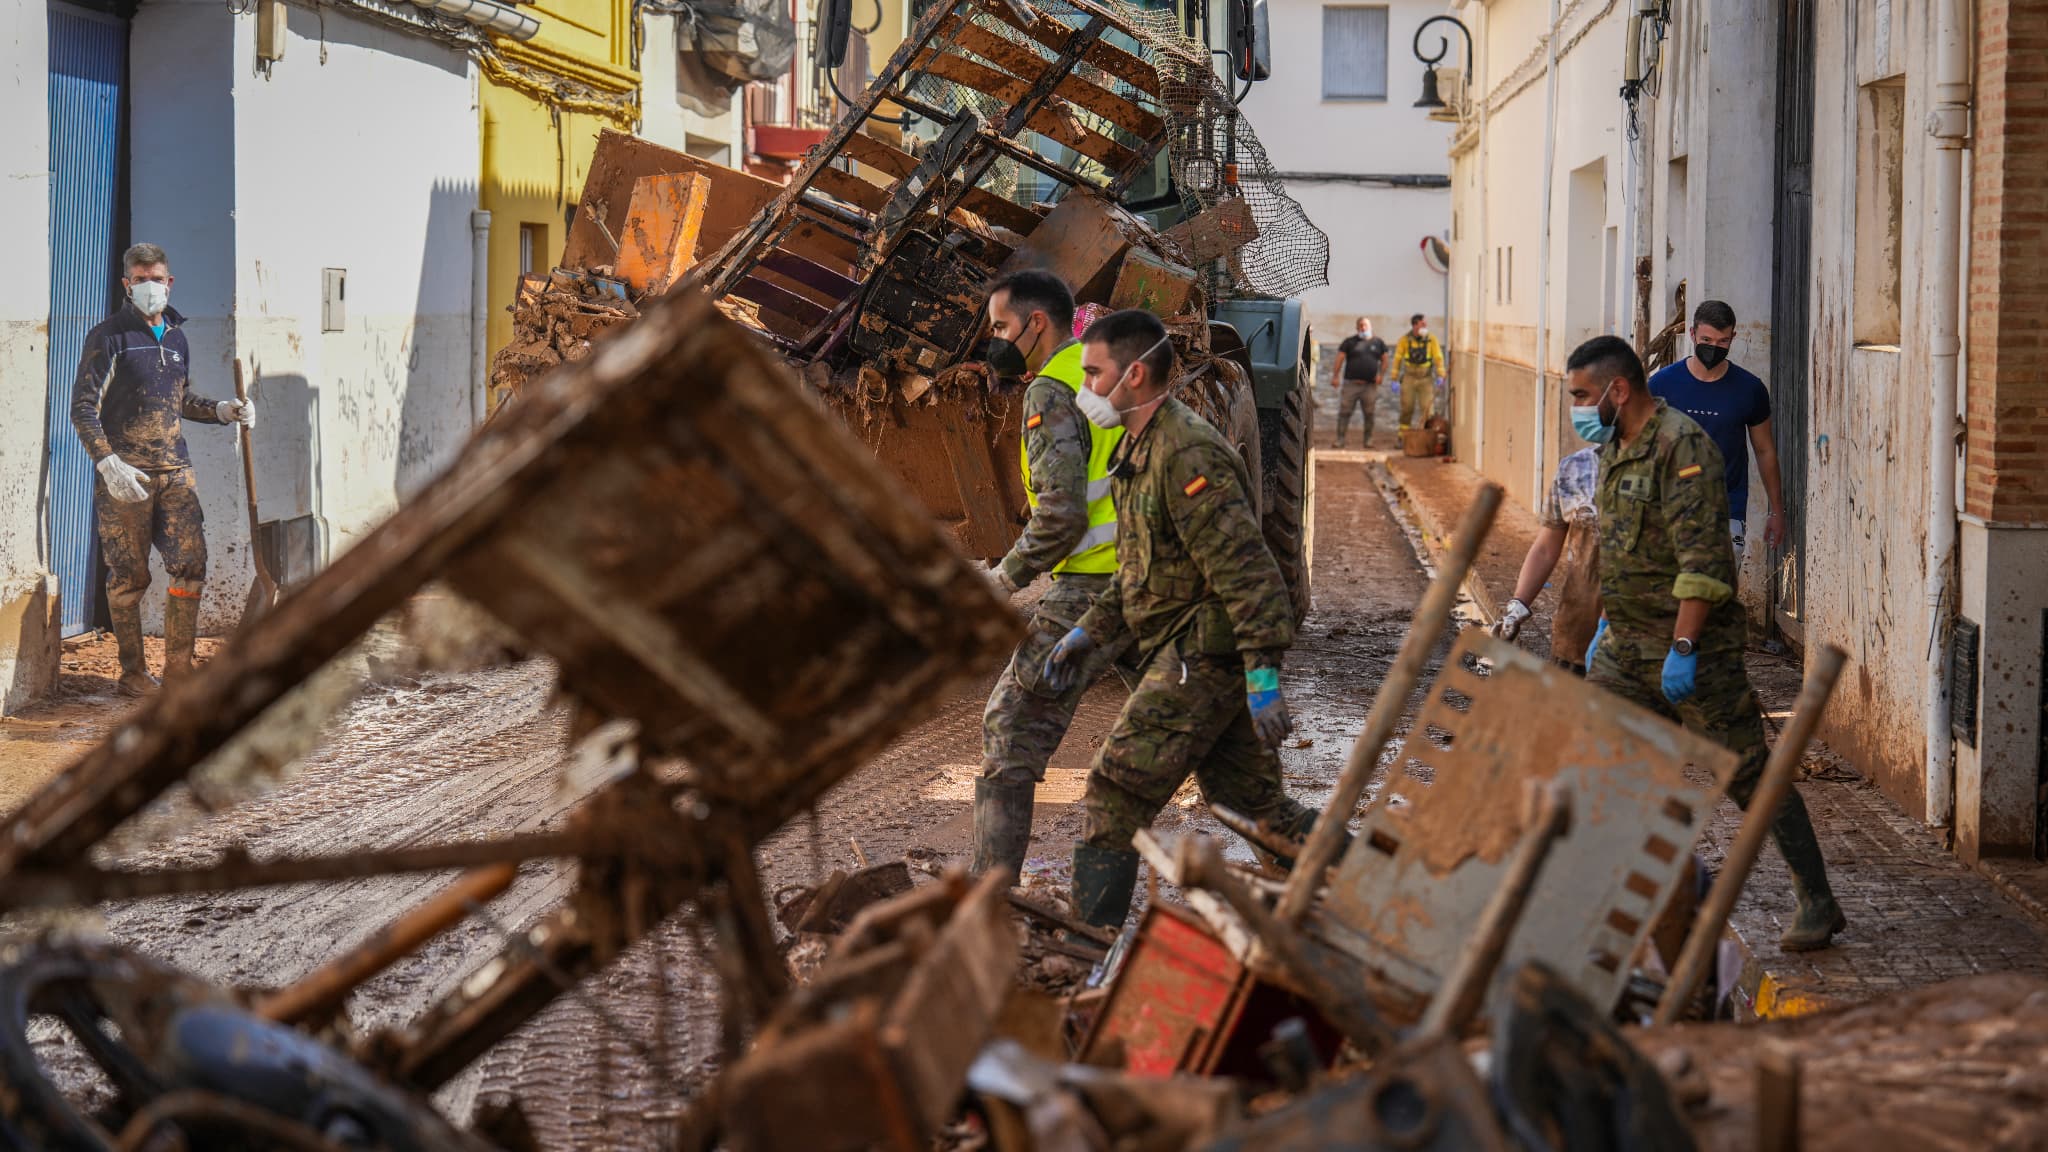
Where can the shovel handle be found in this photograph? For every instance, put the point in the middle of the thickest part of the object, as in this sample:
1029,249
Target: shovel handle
248,469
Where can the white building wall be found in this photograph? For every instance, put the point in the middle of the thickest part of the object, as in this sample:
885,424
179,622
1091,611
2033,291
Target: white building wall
719,139
1376,263
27,639
360,150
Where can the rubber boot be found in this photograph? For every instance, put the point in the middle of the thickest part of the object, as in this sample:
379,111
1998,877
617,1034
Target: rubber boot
1002,825
181,631
1104,882
1818,917
127,623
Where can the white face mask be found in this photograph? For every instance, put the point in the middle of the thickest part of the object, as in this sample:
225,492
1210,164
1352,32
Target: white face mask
1097,407
151,297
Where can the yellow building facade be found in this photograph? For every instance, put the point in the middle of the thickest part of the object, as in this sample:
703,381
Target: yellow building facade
544,101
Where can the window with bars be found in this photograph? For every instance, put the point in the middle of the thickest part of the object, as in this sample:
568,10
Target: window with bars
1354,52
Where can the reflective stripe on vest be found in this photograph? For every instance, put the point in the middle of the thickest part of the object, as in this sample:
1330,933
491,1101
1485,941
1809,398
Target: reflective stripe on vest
1096,553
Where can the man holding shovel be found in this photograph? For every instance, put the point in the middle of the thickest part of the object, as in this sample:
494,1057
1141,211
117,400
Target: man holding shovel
128,404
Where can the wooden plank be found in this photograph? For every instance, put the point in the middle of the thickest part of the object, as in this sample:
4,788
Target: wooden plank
809,273
846,186
1020,61
880,155
774,298
1054,35
821,246
1055,121
619,162
883,157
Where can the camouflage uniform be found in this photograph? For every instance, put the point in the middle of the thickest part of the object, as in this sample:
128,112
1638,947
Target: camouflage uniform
1663,503
1025,719
1203,600
130,397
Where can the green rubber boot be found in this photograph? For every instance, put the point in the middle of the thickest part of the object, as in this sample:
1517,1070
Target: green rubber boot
1819,917
1002,825
127,626
1104,882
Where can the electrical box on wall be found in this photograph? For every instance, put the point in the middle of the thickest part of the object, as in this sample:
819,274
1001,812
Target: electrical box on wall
333,299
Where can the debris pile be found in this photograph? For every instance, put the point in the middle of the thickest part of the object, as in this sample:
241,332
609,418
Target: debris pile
554,319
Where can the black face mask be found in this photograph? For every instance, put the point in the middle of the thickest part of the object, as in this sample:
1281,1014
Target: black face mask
1005,358
1710,356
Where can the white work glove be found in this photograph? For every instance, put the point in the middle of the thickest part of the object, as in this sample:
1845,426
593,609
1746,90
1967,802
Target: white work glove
236,412
1509,625
124,480
999,581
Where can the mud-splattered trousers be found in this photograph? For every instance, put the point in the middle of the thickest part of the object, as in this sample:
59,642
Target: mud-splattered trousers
132,396
170,520
1025,720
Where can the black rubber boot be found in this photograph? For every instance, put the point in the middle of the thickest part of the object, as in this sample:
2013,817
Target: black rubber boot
127,625
1002,825
181,631
1104,882
1818,917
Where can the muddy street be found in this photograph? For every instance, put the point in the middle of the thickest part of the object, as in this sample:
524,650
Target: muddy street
449,757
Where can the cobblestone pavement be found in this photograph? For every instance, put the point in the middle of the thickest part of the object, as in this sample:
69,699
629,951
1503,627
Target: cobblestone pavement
1917,914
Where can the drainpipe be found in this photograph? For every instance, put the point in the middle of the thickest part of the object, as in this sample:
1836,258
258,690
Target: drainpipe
1543,251
479,313
1949,125
1472,85
503,19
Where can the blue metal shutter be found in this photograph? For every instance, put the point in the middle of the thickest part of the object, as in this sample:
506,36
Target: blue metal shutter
1354,52
88,69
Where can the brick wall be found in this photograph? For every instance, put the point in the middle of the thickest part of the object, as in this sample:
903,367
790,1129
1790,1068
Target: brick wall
2007,475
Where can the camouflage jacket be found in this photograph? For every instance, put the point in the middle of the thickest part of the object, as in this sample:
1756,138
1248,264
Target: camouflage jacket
132,391
1056,440
1191,558
1664,536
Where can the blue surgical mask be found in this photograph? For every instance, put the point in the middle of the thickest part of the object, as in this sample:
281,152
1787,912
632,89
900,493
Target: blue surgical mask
1590,424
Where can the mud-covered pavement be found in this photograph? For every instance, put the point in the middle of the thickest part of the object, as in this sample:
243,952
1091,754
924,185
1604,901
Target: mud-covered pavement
447,757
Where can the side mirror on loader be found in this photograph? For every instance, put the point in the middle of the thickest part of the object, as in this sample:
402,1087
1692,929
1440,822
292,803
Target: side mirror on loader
1251,45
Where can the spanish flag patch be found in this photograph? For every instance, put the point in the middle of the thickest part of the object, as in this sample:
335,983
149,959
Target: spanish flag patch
1688,472
1195,487
1036,419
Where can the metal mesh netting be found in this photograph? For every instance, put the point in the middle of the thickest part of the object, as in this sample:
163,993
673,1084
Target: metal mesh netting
1211,151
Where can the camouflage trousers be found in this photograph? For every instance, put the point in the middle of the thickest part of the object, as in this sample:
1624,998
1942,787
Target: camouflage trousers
1360,394
1723,709
1187,715
1025,720
170,520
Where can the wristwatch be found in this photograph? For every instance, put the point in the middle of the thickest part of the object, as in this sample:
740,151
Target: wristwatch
1682,646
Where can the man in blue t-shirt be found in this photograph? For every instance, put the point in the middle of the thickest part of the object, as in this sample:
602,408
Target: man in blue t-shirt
1735,409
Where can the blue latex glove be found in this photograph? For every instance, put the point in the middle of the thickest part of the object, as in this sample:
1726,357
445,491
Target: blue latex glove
1063,663
1681,675
1595,645
1269,711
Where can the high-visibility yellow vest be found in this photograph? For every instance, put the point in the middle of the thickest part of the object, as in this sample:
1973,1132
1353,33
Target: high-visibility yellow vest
1096,553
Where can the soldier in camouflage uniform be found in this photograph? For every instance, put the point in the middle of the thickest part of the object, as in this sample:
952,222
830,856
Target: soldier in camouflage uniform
1071,536
1673,633
128,403
1206,605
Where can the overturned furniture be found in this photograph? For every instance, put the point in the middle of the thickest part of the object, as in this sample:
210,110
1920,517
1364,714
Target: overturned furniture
875,1050
1066,135
725,581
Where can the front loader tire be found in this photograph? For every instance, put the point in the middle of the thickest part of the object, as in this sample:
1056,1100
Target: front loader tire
1287,508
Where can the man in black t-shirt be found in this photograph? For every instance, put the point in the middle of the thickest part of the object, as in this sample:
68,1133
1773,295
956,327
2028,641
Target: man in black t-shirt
1360,361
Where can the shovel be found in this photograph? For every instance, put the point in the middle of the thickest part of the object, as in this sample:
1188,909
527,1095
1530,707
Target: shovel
263,592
